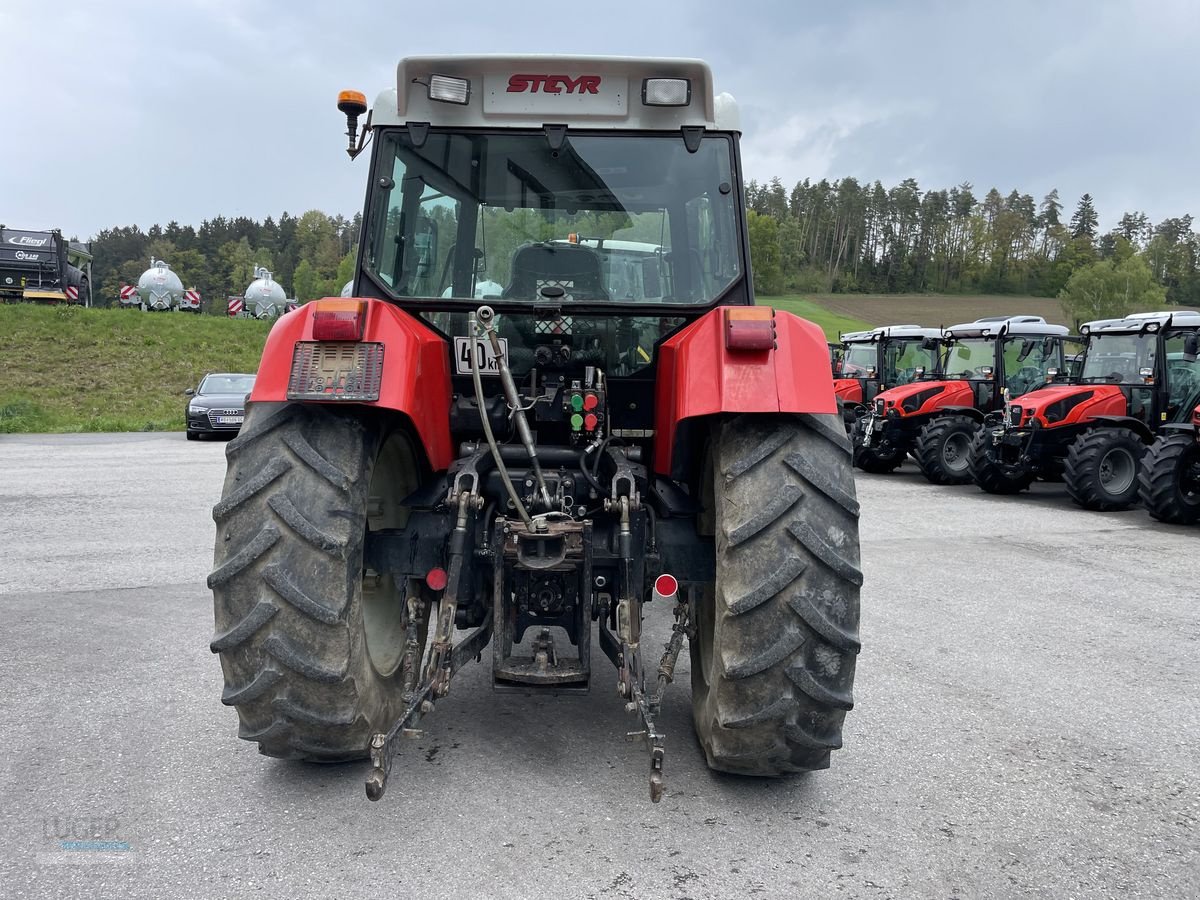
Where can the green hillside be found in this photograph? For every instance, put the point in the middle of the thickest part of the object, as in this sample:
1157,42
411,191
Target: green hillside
73,369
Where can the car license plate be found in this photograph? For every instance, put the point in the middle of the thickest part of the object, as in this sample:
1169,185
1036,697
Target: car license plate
229,420
485,357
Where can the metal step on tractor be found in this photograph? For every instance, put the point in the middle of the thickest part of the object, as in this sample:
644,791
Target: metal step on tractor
936,421
1169,481
422,473
875,360
1139,374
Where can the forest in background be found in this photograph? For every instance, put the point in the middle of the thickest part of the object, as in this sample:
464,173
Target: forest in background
311,255
819,237
848,237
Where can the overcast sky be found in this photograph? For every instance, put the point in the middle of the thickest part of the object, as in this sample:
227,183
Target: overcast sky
129,112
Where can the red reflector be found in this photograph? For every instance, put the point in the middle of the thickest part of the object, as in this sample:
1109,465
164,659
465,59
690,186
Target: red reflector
337,326
665,587
750,328
339,320
436,579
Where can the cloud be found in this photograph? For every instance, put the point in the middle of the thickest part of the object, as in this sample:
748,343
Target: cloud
155,112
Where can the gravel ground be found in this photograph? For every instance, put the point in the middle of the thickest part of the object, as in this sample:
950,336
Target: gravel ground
1026,723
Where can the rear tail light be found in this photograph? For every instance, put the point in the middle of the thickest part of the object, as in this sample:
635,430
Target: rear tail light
339,320
749,328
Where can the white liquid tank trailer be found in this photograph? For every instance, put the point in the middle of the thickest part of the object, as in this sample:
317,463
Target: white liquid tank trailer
265,298
159,288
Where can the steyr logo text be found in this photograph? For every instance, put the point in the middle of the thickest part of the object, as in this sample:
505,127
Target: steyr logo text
554,84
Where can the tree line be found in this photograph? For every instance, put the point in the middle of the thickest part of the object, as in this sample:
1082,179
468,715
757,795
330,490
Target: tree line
311,255
847,236
820,237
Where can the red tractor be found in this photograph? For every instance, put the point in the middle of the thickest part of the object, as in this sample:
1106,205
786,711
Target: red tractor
1138,374
1169,482
936,421
875,360
549,407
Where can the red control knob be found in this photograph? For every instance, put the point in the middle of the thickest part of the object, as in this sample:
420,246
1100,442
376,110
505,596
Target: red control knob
589,422
591,401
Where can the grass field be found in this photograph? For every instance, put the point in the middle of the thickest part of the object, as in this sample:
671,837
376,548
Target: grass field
73,369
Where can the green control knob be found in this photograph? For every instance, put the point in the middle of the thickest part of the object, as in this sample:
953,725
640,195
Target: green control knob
576,422
577,402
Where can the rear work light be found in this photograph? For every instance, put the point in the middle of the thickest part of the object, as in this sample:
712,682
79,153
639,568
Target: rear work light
449,90
339,320
666,92
749,328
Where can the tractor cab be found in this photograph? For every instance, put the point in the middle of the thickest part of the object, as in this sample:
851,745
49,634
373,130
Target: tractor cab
875,360
1150,358
1000,355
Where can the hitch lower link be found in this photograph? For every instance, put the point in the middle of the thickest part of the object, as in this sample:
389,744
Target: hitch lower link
632,680
445,658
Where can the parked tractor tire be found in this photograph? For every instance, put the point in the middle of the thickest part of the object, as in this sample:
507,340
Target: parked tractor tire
310,644
943,449
871,460
992,476
1102,469
777,636
1169,481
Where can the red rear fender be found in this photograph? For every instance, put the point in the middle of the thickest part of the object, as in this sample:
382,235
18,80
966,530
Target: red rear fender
416,371
699,376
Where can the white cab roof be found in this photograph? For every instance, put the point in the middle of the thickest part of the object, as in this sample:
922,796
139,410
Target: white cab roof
531,91
890,331
1135,322
994,326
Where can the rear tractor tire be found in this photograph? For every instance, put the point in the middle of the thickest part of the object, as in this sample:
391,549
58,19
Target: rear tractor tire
1169,482
310,643
1102,469
943,449
776,638
995,477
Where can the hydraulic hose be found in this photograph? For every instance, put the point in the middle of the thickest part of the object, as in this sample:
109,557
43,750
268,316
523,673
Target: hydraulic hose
485,316
487,431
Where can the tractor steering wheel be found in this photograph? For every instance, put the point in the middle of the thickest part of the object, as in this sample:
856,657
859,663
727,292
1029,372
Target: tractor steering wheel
1025,379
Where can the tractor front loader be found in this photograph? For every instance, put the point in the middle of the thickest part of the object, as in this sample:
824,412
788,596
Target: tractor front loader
549,408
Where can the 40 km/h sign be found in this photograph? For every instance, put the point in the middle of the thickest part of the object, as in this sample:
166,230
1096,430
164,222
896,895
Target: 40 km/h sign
485,357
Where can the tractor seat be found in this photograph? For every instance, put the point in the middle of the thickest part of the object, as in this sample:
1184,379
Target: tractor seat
575,269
